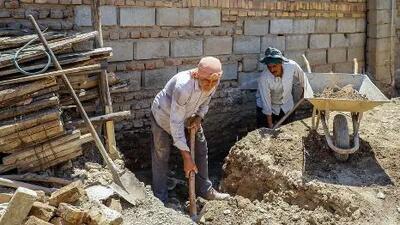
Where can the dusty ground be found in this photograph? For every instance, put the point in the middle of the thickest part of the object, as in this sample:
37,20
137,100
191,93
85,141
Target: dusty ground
291,177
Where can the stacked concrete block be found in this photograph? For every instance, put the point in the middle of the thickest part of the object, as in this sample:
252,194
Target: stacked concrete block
218,46
122,50
275,41
246,44
316,56
256,27
206,17
186,47
137,17
281,26
379,56
248,81
347,25
304,26
325,25
230,71
337,55
319,41
173,17
156,79
151,49
296,42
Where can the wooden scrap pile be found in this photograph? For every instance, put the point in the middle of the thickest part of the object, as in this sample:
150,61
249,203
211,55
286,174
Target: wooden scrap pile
33,134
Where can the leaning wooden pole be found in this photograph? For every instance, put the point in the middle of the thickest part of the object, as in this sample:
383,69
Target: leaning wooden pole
104,90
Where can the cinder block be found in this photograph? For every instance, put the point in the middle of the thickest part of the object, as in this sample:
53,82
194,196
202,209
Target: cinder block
83,16
357,40
381,73
122,50
249,64
151,49
378,58
296,56
218,46
358,53
325,26
186,47
316,56
319,41
137,17
379,31
346,67
380,44
379,4
304,26
296,42
379,17
256,27
133,79
339,40
346,25
154,79
18,207
173,17
206,17
337,55
361,25
281,26
327,68
230,71
275,41
248,81
246,45
108,15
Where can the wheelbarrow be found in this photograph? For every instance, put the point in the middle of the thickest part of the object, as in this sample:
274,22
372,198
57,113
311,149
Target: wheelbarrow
323,106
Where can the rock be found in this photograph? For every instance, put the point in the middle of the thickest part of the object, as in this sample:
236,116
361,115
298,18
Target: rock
68,194
100,214
91,165
99,192
42,211
114,204
5,197
57,221
41,196
19,207
398,209
71,214
36,221
381,195
226,212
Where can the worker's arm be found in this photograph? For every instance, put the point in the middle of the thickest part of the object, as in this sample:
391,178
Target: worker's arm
265,95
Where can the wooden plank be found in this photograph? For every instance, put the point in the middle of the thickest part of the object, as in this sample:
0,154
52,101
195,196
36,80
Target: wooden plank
12,42
83,96
92,82
16,184
103,118
36,178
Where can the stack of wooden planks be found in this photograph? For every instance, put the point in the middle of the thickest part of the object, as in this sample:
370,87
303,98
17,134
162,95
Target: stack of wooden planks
33,107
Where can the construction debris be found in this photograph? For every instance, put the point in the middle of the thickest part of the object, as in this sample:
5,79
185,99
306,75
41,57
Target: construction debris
69,194
19,207
42,211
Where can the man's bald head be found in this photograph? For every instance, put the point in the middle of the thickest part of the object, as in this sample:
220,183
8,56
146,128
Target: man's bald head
210,65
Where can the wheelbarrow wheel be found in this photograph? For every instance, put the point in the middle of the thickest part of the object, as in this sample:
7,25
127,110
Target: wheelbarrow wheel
341,135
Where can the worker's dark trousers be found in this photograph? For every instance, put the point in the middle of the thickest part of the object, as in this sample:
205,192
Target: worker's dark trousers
160,154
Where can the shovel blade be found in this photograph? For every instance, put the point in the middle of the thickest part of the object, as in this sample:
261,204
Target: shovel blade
131,190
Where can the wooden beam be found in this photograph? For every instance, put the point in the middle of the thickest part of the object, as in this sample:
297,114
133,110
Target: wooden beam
16,184
37,178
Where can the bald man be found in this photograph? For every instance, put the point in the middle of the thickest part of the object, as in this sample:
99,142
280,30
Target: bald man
184,100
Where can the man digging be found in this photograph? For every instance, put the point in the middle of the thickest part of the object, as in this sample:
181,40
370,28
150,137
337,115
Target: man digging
184,100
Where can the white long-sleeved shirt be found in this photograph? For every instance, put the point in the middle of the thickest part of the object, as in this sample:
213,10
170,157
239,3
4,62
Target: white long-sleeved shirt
275,93
179,100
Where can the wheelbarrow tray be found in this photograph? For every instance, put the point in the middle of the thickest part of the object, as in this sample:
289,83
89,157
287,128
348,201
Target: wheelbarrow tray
360,82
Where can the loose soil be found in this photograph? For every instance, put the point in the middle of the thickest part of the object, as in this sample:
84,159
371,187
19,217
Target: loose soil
347,92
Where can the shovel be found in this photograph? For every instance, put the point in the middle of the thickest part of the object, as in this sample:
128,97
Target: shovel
126,185
192,181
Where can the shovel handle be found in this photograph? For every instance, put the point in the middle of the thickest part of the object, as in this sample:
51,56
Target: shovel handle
192,189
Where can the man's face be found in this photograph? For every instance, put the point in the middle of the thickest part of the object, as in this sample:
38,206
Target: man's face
275,69
208,81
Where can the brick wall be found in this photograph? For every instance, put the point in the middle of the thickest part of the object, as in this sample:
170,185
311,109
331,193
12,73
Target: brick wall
152,40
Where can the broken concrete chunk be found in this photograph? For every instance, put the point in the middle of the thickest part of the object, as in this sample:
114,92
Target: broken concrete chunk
42,211
5,197
71,214
99,192
68,194
57,221
19,207
36,221
41,196
114,204
100,214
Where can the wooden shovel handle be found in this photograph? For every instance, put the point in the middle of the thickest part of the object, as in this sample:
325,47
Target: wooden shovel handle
192,188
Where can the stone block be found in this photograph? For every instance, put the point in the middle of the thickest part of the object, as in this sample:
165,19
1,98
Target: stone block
108,15
218,46
319,41
346,67
206,17
137,17
357,40
361,25
379,17
18,207
339,40
68,194
83,16
151,49
304,26
316,56
246,45
249,64
256,27
379,31
296,42
186,47
133,79
325,26
281,26
358,53
101,214
71,214
173,17
230,71
248,81
275,41
122,50
346,25
381,44
379,4
337,55
327,68
32,220
154,79
42,211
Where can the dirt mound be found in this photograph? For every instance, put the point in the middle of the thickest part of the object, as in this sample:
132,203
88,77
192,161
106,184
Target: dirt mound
290,176
347,92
